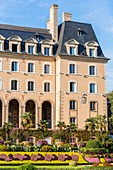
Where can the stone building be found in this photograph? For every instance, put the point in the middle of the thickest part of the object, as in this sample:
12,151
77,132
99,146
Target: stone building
56,74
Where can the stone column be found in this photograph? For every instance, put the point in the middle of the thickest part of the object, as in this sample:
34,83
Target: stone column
5,114
22,108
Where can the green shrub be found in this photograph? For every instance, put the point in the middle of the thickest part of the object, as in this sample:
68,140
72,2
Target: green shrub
3,148
27,167
92,144
73,163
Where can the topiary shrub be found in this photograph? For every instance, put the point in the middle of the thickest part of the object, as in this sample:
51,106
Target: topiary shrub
73,163
92,144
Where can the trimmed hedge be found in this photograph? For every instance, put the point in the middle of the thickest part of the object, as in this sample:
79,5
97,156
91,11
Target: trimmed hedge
92,144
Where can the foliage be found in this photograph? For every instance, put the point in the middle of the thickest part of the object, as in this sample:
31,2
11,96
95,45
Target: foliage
111,123
3,148
110,97
73,163
46,148
90,125
92,144
7,128
27,167
93,150
43,128
101,123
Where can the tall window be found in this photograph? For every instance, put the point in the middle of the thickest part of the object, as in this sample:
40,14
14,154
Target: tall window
14,85
31,67
92,70
30,86
46,68
46,87
93,106
71,68
72,120
14,66
72,104
0,65
46,51
0,84
72,87
93,88
14,48
91,52
30,49
72,50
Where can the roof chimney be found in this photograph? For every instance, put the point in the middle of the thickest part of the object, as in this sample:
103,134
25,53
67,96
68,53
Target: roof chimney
52,23
66,16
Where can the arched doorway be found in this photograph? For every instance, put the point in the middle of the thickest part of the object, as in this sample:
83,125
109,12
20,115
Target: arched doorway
0,113
46,112
13,115
30,107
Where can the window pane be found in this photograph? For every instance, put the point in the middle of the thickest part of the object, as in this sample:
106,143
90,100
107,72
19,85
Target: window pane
92,88
71,68
92,105
30,67
91,52
72,104
72,87
30,49
72,50
46,69
92,70
46,51
14,66
14,47
46,87
30,86
14,85
72,120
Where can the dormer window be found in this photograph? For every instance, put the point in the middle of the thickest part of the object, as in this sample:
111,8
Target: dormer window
31,46
91,48
2,43
80,32
46,51
47,47
72,47
15,44
30,49
72,50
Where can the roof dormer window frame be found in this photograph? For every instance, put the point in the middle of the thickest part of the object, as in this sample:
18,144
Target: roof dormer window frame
15,40
33,43
91,48
2,38
49,45
72,44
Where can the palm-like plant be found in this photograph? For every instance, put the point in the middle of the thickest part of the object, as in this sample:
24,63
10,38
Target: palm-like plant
101,123
26,120
91,125
70,130
7,128
61,125
43,127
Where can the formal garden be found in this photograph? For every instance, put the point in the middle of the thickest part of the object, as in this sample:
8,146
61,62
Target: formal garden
66,147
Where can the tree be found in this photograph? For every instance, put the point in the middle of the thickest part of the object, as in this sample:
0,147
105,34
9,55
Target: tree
43,127
70,130
61,125
91,125
111,123
26,120
101,123
7,128
110,97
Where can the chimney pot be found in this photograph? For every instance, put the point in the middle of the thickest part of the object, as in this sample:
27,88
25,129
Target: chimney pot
66,16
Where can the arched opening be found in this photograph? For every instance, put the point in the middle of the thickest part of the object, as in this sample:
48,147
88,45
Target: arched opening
13,112
30,107
0,113
46,112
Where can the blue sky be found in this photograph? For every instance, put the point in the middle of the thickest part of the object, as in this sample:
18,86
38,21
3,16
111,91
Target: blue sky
34,13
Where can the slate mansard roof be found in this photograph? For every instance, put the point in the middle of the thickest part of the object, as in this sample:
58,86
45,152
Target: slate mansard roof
66,31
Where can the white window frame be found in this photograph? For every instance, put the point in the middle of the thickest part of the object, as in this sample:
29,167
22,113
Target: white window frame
33,86
72,43
95,70
1,84
91,45
17,66
75,91
1,64
95,87
33,67
43,86
69,68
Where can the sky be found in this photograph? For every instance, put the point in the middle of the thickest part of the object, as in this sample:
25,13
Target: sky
35,13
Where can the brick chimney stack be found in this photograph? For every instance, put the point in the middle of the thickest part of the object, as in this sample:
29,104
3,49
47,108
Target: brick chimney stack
66,16
52,23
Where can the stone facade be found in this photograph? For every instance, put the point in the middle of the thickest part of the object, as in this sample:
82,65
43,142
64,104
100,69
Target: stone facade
51,75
